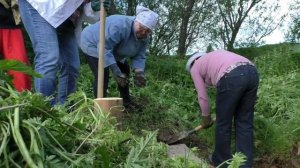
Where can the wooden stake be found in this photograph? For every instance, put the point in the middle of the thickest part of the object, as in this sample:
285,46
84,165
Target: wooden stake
101,51
113,105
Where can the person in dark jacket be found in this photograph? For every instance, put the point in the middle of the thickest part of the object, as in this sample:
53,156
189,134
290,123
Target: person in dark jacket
12,42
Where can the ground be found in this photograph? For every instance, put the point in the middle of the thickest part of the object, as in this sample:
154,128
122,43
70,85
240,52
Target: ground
165,134
193,141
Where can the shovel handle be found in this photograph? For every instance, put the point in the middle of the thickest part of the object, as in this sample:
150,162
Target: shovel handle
200,127
101,51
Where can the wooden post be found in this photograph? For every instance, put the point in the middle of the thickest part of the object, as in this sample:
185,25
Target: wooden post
113,105
101,51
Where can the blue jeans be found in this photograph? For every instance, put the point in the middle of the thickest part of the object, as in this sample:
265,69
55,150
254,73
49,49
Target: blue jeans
236,97
56,54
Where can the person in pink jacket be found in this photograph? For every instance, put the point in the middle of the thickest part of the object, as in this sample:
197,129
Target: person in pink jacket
236,80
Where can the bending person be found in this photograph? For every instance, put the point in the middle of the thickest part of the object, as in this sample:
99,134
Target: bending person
125,37
236,80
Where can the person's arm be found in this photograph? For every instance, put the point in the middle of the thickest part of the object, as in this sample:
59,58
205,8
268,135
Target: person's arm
202,97
89,15
139,61
113,37
91,10
138,64
200,86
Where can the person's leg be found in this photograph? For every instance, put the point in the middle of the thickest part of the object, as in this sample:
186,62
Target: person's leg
14,49
124,91
229,91
93,64
244,118
45,44
69,61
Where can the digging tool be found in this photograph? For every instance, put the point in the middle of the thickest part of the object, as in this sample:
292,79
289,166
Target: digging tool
182,135
177,137
112,105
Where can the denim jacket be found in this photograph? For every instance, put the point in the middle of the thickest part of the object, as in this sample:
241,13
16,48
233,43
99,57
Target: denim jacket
120,41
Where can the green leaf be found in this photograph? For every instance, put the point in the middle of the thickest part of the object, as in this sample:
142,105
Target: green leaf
18,66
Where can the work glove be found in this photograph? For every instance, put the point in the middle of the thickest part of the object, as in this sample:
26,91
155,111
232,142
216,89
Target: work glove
139,78
96,5
118,75
206,121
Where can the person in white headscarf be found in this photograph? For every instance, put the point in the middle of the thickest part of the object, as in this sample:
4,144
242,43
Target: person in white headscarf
125,37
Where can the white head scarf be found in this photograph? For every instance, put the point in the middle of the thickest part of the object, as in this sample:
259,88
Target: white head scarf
146,17
192,59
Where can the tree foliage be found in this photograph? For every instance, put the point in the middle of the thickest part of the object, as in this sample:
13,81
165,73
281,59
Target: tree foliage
253,19
181,25
294,28
188,24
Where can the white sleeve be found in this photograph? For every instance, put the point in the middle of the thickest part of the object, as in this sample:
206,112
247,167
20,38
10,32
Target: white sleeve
89,15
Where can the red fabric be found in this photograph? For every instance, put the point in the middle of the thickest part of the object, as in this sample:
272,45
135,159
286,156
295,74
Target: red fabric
12,48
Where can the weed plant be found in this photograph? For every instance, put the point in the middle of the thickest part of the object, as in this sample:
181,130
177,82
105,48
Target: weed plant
277,109
76,134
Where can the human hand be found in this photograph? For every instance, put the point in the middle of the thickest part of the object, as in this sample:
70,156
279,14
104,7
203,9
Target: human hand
118,75
122,80
139,78
96,5
207,121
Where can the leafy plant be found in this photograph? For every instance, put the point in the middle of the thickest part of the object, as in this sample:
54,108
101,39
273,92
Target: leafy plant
237,160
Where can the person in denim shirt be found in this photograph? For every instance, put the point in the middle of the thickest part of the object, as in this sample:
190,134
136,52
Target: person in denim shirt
236,80
51,26
125,37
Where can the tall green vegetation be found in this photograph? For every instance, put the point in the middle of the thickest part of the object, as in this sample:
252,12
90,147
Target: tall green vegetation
77,134
34,134
278,104
172,100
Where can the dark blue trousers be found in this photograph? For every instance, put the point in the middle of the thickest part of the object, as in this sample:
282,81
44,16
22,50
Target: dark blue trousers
124,91
235,100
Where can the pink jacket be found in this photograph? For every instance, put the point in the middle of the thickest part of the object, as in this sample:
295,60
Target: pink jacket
207,71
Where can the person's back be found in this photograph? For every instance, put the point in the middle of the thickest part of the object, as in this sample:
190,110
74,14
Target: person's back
215,63
117,27
236,81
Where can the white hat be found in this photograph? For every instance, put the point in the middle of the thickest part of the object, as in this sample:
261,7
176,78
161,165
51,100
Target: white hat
146,17
193,58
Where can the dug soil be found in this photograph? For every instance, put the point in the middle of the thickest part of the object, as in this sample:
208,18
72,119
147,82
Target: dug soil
203,151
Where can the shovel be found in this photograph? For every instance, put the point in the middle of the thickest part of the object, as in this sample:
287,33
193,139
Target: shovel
177,137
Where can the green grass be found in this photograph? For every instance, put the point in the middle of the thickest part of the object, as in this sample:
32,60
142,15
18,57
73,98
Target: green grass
74,135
